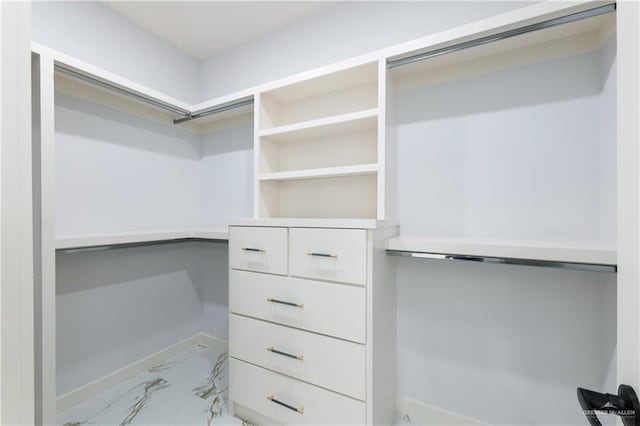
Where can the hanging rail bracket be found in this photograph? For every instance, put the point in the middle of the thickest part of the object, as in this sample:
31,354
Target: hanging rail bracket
214,110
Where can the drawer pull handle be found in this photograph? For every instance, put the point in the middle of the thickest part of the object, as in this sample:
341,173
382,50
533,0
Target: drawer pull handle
275,351
285,405
282,302
314,253
253,249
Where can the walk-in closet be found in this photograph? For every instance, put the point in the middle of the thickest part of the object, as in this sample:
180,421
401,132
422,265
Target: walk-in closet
314,213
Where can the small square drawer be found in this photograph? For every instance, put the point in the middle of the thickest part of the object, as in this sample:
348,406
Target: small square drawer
329,254
261,249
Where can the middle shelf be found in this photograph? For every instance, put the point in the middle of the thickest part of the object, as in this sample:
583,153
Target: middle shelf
325,172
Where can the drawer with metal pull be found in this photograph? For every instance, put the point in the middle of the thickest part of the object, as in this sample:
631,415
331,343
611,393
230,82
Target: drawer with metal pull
261,249
328,362
329,254
289,401
327,308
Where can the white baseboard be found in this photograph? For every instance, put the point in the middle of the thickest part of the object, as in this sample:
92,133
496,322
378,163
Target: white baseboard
423,414
76,396
212,342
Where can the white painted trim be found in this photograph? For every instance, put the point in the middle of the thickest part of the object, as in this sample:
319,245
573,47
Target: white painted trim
17,366
213,342
44,245
424,414
89,390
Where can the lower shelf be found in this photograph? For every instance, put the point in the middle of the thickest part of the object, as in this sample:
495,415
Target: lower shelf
68,245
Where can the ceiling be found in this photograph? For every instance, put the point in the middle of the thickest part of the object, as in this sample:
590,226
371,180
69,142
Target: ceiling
203,28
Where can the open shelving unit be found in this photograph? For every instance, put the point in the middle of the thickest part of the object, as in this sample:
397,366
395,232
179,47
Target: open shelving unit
318,144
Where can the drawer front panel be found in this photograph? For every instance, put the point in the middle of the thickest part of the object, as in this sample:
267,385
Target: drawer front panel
329,254
290,401
331,309
324,361
261,249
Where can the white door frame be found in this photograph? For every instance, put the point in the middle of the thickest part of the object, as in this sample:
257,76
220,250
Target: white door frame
17,404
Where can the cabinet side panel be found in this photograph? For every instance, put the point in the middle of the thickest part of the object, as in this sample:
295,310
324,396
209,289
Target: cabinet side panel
381,328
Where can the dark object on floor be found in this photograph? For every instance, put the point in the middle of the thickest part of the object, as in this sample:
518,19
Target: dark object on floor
625,404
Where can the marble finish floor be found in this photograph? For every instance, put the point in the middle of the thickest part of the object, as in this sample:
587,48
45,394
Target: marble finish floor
188,389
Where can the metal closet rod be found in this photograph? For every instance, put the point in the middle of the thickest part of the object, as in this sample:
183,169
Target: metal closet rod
213,110
186,114
115,88
117,246
601,10
593,267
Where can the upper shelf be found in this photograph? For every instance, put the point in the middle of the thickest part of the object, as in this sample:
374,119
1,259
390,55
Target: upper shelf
531,250
499,52
330,82
359,121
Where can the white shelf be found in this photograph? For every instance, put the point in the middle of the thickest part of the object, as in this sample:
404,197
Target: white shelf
138,237
328,126
513,249
326,172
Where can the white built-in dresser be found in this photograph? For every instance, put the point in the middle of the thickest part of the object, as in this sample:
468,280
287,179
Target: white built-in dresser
312,323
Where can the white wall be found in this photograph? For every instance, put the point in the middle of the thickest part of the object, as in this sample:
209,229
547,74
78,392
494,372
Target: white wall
504,344
527,153
226,174
117,307
92,32
336,33
118,173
